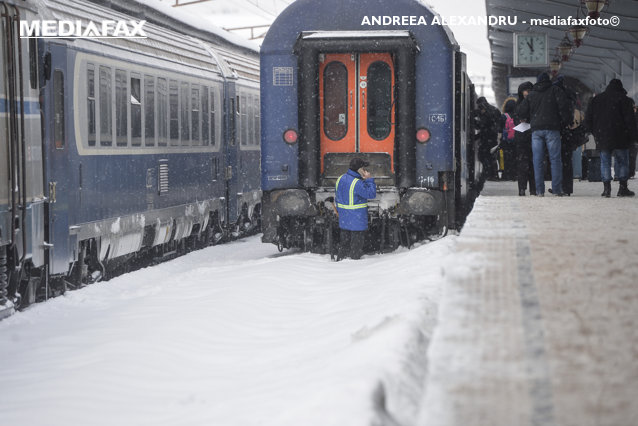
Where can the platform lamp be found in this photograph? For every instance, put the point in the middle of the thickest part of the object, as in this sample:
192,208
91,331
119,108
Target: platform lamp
594,7
555,65
578,33
565,48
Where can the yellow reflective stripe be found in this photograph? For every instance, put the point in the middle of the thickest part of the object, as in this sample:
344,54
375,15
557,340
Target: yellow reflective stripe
351,199
350,206
353,206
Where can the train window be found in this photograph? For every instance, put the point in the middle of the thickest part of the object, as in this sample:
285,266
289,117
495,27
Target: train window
106,107
90,103
33,63
205,116
184,107
58,109
121,124
149,110
213,122
257,121
174,112
136,111
379,100
162,112
335,98
195,105
243,120
251,120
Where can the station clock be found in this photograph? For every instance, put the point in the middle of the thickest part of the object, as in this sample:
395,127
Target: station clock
530,50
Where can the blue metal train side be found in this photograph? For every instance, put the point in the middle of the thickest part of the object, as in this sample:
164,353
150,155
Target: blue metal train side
433,84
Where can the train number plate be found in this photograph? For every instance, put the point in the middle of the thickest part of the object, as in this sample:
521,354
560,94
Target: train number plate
438,118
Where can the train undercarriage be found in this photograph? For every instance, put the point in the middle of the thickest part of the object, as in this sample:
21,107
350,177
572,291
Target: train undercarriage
395,220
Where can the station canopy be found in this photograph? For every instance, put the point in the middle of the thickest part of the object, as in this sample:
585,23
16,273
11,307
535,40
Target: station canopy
606,52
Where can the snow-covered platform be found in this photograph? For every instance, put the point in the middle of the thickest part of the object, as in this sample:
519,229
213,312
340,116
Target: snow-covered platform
538,323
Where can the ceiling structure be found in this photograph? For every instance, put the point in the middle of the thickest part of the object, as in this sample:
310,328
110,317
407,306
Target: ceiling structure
607,51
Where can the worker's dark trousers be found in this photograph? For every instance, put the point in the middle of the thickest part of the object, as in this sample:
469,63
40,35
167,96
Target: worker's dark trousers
351,244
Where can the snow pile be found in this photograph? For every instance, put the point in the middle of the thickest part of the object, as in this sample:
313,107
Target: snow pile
236,334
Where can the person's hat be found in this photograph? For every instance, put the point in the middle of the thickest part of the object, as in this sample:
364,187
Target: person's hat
356,163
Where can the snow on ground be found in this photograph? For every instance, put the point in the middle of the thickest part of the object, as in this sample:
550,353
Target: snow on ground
236,334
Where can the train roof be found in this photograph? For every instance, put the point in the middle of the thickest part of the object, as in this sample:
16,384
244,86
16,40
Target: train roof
338,16
204,52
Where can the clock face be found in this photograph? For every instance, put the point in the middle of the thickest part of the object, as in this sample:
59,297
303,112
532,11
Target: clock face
531,50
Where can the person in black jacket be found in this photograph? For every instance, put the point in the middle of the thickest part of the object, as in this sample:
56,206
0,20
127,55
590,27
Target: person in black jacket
488,120
567,144
547,111
633,150
523,142
610,117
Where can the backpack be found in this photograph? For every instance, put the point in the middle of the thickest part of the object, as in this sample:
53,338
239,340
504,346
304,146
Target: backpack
508,130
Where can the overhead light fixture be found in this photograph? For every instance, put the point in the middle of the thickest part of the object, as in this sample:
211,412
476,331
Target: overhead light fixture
555,65
578,33
594,7
565,48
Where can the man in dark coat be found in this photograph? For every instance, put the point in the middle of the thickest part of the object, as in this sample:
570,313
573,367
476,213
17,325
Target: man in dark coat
547,111
523,142
567,145
488,120
610,117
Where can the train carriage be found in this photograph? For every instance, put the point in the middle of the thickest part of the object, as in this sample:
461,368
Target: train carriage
338,83
118,152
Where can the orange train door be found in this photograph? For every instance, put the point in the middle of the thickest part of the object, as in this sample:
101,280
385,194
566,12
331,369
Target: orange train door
356,103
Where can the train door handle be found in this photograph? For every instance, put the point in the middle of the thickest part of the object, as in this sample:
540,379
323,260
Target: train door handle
363,99
351,99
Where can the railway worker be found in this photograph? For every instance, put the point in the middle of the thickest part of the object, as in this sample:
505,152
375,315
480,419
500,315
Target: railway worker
523,142
610,117
547,111
353,190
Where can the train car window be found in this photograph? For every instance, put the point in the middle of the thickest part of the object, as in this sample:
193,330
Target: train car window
335,107
162,112
205,116
121,122
243,120
379,100
257,120
195,106
184,109
90,103
173,101
136,111
106,107
33,63
149,110
213,122
58,109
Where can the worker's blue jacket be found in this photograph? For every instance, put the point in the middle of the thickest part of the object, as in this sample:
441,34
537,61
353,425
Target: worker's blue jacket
352,195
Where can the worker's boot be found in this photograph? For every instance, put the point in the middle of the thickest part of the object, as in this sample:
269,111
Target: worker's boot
623,191
607,191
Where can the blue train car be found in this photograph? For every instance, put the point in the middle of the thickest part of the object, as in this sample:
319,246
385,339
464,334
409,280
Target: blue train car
131,150
341,80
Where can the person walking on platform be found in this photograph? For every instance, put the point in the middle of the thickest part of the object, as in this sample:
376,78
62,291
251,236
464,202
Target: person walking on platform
507,140
611,119
352,192
523,142
567,146
547,111
633,150
487,122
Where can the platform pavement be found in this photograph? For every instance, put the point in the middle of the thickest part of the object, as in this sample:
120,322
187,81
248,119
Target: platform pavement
538,324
